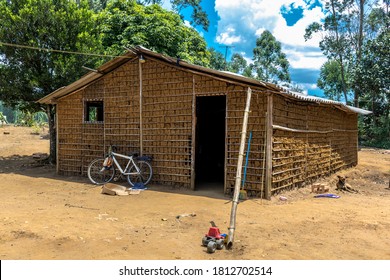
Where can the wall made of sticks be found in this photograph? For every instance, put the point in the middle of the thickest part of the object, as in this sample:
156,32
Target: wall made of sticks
167,122
255,170
121,109
322,141
92,131
69,137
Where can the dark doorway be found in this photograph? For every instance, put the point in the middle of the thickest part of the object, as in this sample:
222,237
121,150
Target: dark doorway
210,140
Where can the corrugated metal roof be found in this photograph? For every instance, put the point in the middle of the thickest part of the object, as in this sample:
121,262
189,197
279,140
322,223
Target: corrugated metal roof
133,53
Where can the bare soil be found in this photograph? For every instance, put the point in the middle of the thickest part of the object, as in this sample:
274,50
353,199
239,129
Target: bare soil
47,216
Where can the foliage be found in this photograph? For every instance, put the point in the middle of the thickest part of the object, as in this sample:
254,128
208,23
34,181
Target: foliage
8,113
3,119
217,60
374,74
336,45
330,80
98,5
237,63
355,40
270,63
198,16
26,118
125,23
29,74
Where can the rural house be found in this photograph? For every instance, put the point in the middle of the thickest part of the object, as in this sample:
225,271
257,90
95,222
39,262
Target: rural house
190,119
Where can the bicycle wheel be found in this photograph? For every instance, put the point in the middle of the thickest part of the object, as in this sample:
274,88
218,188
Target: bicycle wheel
145,173
98,174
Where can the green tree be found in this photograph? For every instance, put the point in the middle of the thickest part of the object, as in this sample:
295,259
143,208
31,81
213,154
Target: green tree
374,74
330,80
198,16
28,74
344,31
98,5
239,65
355,40
217,60
125,23
270,63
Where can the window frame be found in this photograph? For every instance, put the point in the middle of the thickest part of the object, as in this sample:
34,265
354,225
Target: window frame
96,104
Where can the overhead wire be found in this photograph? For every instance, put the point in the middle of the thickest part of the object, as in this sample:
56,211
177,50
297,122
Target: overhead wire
58,51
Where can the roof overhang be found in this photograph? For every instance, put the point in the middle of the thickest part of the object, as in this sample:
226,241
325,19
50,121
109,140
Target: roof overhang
234,78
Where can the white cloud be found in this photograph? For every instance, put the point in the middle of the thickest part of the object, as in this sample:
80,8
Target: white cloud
243,21
228,37
187,23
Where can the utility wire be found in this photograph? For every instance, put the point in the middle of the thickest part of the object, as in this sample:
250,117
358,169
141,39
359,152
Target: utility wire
58,51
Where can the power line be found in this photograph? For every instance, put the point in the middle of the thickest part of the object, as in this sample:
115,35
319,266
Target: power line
57,51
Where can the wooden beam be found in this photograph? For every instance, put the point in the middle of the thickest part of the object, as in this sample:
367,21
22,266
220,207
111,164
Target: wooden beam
237,185
268,156
140,109
193,134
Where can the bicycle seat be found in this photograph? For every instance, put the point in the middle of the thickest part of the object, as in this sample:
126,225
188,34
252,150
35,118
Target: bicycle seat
145,158
133,154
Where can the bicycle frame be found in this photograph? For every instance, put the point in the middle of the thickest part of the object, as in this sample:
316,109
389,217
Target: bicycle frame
129,164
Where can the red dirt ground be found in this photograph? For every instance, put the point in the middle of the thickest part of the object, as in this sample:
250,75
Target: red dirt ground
47,216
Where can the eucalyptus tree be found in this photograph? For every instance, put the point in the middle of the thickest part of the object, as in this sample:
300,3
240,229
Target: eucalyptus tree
270,63
217,60
355,40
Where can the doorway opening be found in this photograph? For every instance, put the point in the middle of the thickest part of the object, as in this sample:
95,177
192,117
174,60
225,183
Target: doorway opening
210,141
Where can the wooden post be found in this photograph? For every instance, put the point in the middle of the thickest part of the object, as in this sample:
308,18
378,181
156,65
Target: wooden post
193,140
57,149
140,108
226,146
306,143
268,147
237,185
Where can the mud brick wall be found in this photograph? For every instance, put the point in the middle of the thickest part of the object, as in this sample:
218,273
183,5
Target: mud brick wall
161,124
69,137
254,183
167,122
121,110
324,142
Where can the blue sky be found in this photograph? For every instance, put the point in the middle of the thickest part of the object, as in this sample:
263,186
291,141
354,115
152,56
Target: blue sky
239,23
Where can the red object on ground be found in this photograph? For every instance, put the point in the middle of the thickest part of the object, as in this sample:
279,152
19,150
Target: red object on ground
214,232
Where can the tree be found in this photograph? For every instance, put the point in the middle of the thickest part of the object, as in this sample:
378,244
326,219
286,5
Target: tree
98,5
335,44
54,30
270,63
344,32
125,23
217,60
374,75
237,63
331,80
198,16
27,74
355,40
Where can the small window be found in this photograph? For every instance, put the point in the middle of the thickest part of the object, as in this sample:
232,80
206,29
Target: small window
94,111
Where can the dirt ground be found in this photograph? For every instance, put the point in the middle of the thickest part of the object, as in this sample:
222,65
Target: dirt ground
47,216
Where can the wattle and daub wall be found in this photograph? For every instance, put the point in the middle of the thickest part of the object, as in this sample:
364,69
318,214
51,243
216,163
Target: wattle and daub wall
324,139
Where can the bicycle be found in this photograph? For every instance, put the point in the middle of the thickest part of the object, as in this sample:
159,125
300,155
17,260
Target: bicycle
137,170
